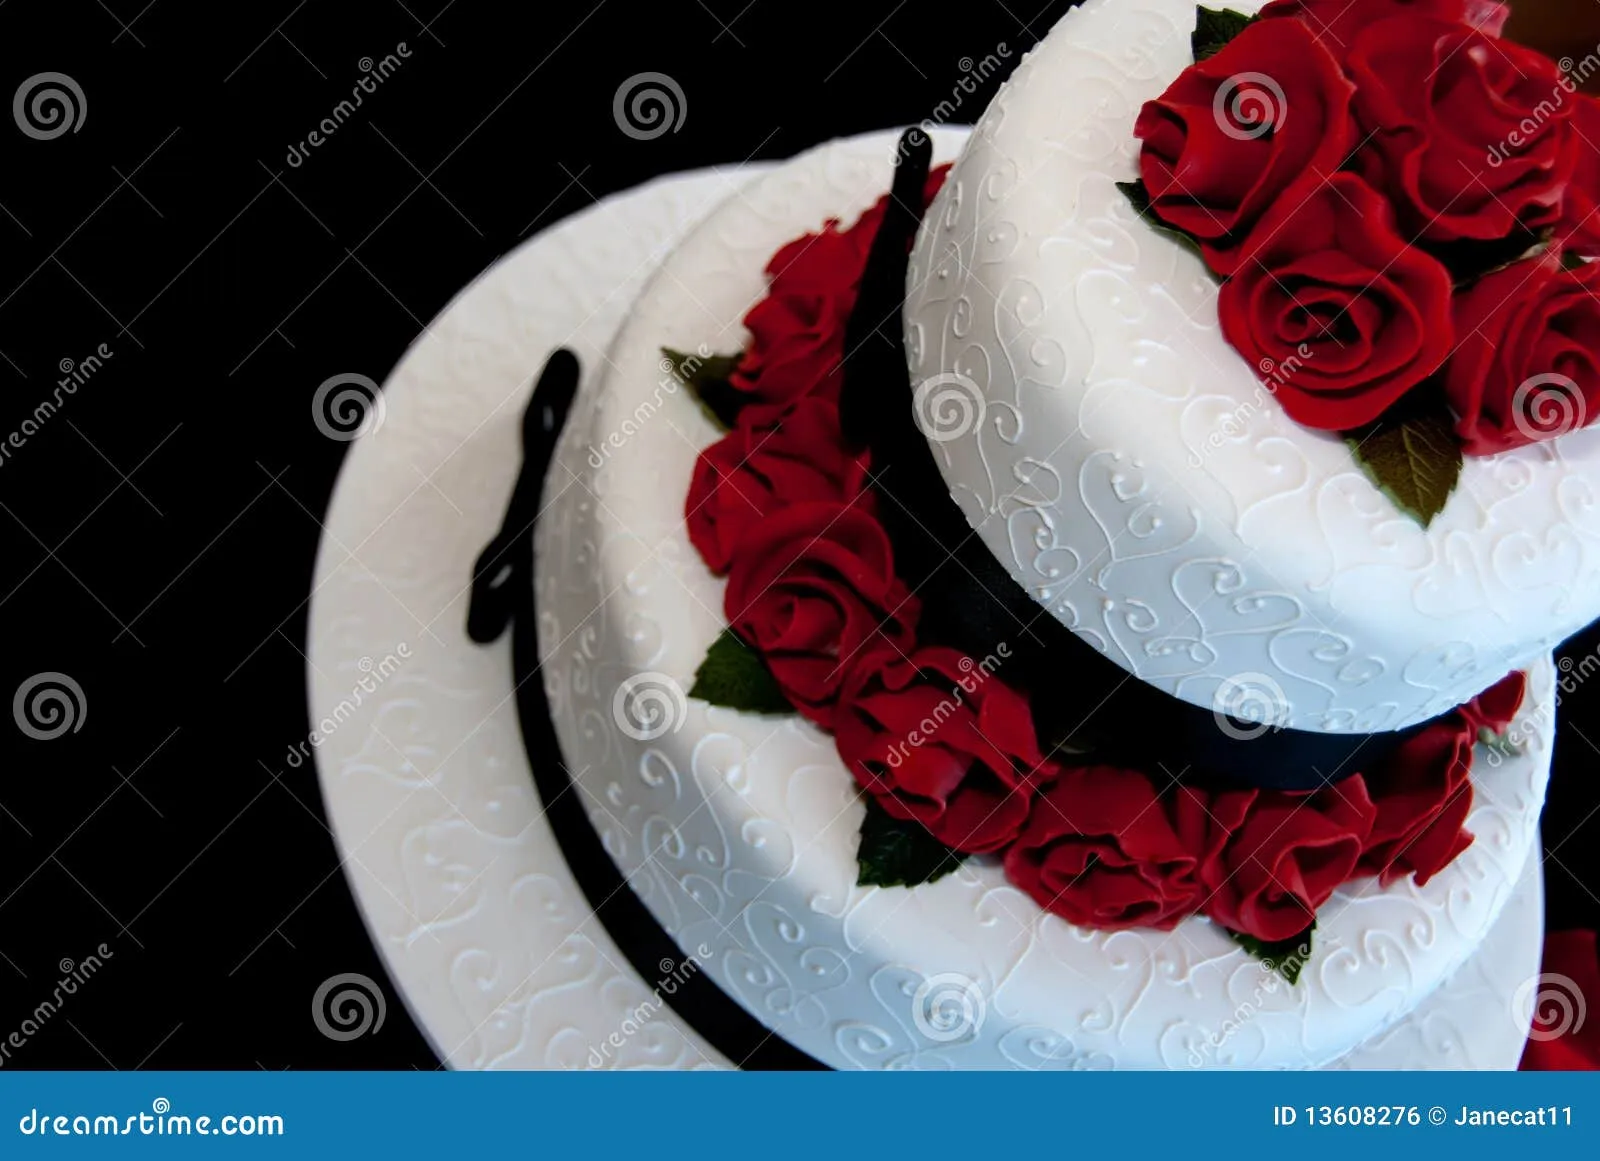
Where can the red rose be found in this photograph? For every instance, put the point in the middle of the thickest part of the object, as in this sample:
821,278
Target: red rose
753,471
1100,852
1335,308
809,586
1527,367
1275,857
1579,228
1335,23
1423,794
1495,707
797,331
1263,118
1471,137
1566,1036
938,740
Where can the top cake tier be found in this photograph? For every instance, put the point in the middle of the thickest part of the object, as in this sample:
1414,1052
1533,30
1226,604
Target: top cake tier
1143,482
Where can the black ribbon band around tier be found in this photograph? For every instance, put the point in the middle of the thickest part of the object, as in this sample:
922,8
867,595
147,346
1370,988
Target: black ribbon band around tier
1083,702
503,594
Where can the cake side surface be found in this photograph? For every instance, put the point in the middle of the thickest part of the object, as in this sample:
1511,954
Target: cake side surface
1143,483
739,830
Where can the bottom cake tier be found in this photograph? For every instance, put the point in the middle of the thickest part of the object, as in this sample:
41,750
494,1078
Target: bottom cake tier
739,831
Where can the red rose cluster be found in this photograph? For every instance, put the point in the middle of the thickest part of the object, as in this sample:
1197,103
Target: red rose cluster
782,508
1109,849
1337,158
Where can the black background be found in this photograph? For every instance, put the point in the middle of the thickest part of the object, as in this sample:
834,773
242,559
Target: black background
157,533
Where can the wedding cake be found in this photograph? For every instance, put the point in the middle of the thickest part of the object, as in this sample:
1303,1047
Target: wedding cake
1093,606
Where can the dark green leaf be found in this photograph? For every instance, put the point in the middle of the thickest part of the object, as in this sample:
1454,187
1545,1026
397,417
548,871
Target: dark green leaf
734,675
1139,197
1415,460
709,379
1214,28
1287,957
900,854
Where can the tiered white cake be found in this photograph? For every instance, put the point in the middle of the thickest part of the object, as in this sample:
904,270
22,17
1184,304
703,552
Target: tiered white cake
1101,373
1134,473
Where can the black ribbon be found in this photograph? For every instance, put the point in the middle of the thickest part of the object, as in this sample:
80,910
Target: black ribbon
1083,702
502,593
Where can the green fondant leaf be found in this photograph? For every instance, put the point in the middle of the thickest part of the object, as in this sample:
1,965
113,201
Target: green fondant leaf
1214,28
1287,957
1415,460
734,675
708,377
1139,197
900,854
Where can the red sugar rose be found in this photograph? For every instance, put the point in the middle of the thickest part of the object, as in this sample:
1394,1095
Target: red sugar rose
1100,852
1426,795
1344,315
1566,1034
1495,707
1258,123
797,331
1423,790
753,471
1335,23
1527,365
937,740
1280,855
810,586
1470,136
1579,227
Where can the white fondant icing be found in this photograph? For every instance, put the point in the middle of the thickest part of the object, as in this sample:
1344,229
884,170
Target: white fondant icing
739,831
1132,473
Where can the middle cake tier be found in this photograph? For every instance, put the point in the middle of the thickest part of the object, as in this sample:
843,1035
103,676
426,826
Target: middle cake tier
739,830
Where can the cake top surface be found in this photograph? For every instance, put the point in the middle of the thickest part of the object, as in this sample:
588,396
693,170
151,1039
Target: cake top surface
1145,483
